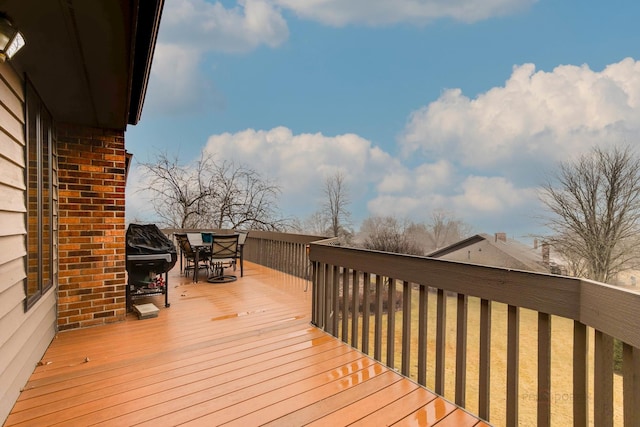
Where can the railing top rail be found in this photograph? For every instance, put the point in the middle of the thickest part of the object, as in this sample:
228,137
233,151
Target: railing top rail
613,310
253,234
285,237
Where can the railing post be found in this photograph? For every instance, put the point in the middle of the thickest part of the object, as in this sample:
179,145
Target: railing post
461,350
366,308
345,305
441,328
335,301
513,347
631,371
484,364
327,299
580,374
544,369
355,299
315,292
603,380
423,316
377,344
391,322
406,328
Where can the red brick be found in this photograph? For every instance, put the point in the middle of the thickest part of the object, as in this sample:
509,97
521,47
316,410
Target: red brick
92,274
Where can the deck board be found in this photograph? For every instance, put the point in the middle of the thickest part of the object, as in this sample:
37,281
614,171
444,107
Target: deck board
242,354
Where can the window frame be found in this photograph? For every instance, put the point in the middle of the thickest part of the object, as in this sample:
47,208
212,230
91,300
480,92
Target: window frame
39,130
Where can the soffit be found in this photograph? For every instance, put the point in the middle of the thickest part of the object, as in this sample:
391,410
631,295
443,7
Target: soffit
80,56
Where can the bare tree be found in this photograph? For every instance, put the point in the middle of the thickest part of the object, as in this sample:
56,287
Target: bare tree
594,206
207,194
335,204
179,193
241,198
389,234
444,230
315,224
574,264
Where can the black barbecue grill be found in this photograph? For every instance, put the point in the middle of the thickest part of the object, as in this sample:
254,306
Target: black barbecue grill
149,254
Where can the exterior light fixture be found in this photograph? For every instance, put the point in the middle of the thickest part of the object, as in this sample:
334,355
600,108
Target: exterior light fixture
11,40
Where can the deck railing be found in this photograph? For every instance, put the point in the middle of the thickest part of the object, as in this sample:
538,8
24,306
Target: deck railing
512,347
457,326
284,252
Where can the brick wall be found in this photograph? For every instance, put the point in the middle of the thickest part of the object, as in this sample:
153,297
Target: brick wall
92,281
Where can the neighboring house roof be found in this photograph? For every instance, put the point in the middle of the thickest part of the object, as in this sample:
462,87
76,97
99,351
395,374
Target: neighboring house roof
502,253
89,60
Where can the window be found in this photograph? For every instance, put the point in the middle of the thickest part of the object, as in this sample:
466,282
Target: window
39,136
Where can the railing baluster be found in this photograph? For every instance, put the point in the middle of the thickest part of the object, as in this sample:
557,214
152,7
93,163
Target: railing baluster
377,344
335,302
355,299
513,345
328,306
461,350
441,328
314,294
406,328
603,380
293,260
345,304
631,384
281,256
423,315
544,369
366,287
484,364
580,374
391,322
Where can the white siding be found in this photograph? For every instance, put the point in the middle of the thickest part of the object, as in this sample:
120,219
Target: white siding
23,336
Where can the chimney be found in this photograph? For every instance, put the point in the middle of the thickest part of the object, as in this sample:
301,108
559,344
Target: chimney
545,254
535,244
501,237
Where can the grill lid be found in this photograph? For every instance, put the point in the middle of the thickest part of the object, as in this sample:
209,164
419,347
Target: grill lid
147,239
148,249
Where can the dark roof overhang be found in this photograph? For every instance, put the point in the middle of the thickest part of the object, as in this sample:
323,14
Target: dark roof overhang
89,60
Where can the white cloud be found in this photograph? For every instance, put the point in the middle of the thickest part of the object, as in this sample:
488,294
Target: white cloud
209,26
394,182
385,12
189,30
536,118
401,206
139,207
300,163
177,85
484,194
431,177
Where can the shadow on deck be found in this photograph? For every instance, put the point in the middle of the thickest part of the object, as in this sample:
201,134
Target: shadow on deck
242,353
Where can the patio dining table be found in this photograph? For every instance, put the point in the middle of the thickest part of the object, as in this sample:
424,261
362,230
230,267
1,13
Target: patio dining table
197,244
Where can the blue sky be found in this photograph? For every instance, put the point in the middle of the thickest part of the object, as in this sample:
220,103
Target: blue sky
461,106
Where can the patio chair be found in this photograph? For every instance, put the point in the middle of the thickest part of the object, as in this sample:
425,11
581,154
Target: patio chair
242,238
189,253
224,251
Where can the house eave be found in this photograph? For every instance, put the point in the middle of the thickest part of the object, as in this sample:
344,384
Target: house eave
89,60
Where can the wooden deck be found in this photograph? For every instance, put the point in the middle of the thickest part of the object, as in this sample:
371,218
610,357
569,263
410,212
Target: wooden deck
241,353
